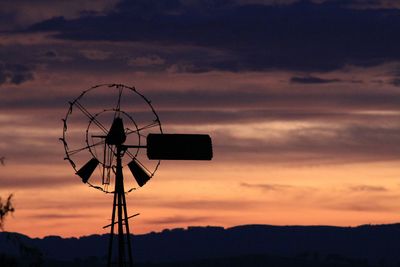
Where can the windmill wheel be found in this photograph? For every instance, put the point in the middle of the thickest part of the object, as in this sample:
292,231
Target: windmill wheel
90,120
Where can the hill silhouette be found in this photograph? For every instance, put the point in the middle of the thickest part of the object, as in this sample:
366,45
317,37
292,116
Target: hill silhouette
366,245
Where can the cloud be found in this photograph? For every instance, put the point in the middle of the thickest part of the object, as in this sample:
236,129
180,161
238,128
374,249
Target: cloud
211,97
15,73
266,2
371,4
179,220
312,80
145,61
302,36
58,216
200,205
363,207
33,181
268,187
320,126
383,204
50,54
395,82
368,188
354,4
14,41
41,203
18,14
335,100
96,54
310,145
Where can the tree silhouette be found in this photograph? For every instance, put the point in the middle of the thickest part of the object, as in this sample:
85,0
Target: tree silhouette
5,209
28,254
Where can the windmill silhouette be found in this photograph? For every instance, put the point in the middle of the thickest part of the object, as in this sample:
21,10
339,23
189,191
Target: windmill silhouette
122,129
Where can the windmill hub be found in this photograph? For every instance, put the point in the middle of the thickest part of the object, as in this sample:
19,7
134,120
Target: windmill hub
116,135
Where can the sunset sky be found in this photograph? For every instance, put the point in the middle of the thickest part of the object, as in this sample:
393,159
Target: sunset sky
301,99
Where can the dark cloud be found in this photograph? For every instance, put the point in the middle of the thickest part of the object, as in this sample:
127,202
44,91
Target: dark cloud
301,36
370,199
40,203
314,145
368,188
363,205
216,106
367,207
396,82
268,187
15,73
370,4
18,14
341,100
199,117
37,182
180,220
208,204
58,216
312,100
50,54
312,80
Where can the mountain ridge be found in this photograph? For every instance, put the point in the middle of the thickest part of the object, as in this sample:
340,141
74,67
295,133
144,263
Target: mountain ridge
372,243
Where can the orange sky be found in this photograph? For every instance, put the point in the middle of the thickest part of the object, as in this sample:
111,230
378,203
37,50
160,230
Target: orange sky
304,115
214,194
315,185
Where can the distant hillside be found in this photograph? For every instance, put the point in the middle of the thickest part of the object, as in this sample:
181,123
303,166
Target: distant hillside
378,245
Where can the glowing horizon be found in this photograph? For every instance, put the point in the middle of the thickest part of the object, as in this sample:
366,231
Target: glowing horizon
305,127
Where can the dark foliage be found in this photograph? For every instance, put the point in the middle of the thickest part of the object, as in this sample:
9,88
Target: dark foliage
5,209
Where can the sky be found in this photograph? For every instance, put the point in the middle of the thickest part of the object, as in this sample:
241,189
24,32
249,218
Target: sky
301,99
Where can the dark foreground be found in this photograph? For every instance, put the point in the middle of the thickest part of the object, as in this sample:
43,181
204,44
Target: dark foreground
250,245
245,261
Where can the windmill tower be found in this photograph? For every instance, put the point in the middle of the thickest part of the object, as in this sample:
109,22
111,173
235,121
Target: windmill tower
109,124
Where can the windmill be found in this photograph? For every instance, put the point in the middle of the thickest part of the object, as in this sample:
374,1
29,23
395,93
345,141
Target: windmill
125,132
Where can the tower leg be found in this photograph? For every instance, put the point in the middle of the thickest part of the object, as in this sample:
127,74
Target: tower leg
128,235
119,207
112,231
121,245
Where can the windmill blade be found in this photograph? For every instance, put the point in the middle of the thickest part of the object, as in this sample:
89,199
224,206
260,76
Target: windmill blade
87,170
179,146
140,175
